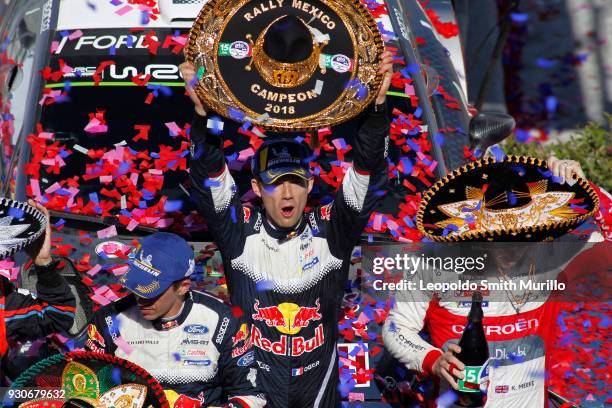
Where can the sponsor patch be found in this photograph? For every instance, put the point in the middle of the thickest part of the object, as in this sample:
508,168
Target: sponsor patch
247,359
196,329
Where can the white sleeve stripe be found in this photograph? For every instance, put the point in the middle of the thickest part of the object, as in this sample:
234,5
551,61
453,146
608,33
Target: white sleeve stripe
222,188
355,188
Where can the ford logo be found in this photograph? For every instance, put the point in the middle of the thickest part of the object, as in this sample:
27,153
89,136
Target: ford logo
247,359
195,329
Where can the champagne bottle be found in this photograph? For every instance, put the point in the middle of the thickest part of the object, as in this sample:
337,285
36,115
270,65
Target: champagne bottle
474,354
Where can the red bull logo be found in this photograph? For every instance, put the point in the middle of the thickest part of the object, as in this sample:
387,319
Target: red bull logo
242,336
288,346
287,318
94,335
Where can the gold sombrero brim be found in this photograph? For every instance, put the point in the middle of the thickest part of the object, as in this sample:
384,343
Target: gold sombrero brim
201,50
543,230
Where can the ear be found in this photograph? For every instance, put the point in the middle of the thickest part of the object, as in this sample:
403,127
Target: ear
310,184
184,287
256,187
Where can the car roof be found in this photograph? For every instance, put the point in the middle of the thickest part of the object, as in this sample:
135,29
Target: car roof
88,14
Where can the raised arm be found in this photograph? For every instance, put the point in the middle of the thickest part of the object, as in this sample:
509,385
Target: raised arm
363,183
51,309
212,186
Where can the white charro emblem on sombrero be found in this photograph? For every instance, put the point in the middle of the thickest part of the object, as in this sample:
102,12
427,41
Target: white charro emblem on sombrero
8,233
544,207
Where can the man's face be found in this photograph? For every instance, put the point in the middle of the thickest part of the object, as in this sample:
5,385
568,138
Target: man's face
284,200
165,305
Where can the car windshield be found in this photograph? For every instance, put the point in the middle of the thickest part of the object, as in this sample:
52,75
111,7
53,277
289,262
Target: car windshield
113,134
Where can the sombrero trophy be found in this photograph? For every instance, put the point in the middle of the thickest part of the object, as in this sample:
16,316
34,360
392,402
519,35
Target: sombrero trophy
515,199
20,225
85,379
286,65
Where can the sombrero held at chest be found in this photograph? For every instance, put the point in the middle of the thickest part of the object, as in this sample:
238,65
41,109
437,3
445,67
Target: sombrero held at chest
265,6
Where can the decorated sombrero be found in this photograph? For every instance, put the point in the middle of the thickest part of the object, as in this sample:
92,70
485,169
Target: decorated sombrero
286,65
86,379
513,199
20,225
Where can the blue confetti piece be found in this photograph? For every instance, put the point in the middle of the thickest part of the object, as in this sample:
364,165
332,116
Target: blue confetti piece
233,213
447,399
439,138
116,375
216,125
519,17
177,356
173,205
545,173
498,153
546,63
477,153
551,104
558,180
418,112
522,136
16,212
235,114
130,41
112,50
264,285
512,200
516,358
405,73
59,223
413,145
413,68
94,197
210,183
64,33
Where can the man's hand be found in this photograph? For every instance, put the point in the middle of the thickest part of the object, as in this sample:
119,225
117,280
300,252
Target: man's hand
386,68
449,367
565,169
189,76
43,257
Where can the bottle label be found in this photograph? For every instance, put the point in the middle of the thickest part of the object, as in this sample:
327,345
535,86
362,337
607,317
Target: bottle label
476,378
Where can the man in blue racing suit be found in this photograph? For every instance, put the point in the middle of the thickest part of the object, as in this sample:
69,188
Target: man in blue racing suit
286,268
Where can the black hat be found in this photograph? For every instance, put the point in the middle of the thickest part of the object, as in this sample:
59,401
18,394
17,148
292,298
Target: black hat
279,158
515,199
286,65
20,225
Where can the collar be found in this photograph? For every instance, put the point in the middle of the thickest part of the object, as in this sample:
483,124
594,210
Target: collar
164,324
283,234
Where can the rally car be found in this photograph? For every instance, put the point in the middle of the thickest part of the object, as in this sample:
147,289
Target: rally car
94,124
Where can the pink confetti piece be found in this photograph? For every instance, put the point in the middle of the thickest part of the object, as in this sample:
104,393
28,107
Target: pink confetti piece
157,172
121,270
132,225
54,46
175,130
35,186
75,34
124,10
123,345
93,271
356,396
94,126
106,179
53,188
164,222
107,232
101,300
